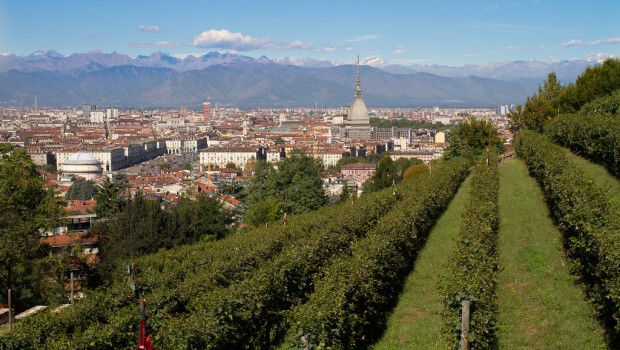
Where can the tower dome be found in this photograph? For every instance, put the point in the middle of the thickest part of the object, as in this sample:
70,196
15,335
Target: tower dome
358,114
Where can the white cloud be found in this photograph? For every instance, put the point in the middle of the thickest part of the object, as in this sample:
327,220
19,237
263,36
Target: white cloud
295,45
512,47
224,39
150,29
400,50
148,45
366,37
329,49
574,42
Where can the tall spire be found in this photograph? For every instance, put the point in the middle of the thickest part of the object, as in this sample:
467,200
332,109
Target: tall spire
358,85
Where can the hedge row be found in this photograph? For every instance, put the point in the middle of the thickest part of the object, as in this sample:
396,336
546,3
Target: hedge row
589,221
472,272
168,280
251,313
593,136
353,296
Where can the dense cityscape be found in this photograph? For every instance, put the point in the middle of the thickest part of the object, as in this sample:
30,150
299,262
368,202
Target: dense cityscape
429,176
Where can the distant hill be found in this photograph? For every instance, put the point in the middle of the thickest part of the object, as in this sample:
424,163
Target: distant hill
243,82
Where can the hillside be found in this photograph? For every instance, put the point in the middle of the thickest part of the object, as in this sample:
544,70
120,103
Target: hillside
249,84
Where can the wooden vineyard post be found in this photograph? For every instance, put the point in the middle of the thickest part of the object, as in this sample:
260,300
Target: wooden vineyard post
465,325
10,312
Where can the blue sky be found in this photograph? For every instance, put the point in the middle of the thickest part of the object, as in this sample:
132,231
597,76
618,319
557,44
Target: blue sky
405,32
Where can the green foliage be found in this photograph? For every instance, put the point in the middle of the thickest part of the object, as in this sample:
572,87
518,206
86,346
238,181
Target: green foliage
297,183
415,170
109,197
608,106
540,107
347,160
82,190
388,172
406,123
472,272
165,166
353,295
589,222
346,194
593,136
263,212
232,189
471,137
554,99
178,282
193,220
26,208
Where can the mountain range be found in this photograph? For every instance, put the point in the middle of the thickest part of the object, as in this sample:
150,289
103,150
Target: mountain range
163,80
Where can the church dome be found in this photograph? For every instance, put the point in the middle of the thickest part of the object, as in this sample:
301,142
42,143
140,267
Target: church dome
82,164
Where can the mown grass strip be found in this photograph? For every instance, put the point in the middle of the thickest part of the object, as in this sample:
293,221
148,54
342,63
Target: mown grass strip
540,306
415,323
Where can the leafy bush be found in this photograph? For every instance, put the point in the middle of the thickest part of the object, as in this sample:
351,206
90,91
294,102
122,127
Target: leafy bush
473,265
593,136
353,295
176,280
589,221
608,106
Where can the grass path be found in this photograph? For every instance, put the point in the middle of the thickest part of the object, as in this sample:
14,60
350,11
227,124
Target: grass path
540,306
415,323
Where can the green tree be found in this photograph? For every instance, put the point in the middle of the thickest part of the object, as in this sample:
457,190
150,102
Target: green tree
263,212
471,137
110,198
82,190
165,166
297,183
540,107
26,208
345,195
140,228
194,219
385,175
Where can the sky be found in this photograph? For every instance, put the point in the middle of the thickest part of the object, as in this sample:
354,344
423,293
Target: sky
401,32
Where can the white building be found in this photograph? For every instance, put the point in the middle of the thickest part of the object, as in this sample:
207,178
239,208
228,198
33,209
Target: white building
97,117
423,155
111,113
238,156
330,157
81,164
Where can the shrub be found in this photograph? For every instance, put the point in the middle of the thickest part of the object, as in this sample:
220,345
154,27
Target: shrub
587,218
473,265
592,136
353,295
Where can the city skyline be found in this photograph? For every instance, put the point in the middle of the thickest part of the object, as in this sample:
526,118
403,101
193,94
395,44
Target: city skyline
447,33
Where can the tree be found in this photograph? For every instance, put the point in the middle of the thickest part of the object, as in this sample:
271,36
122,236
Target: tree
109,197
27,206
82,190
140,228
297,183
194,219
540,107
263,212
385,175
345,195
471,137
